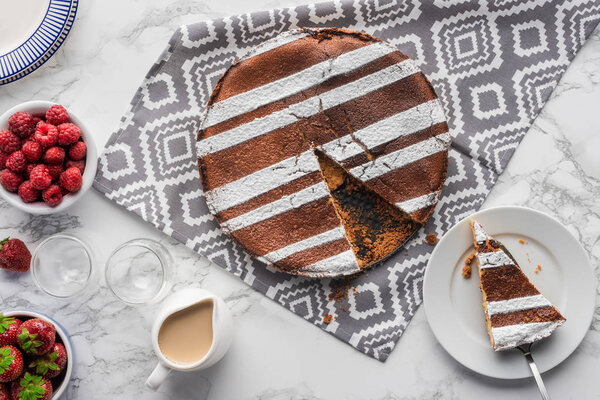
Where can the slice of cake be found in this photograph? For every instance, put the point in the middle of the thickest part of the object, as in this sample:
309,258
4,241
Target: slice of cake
515,311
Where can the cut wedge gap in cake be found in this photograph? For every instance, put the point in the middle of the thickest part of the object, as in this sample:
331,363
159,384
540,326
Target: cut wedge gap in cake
516,312
374,227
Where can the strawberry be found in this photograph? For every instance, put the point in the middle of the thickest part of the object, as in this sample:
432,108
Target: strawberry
14,255
4,393
9,329
11,363
31,387
36,337
51,364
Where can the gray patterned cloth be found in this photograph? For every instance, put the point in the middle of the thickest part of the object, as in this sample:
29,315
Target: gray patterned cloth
493,63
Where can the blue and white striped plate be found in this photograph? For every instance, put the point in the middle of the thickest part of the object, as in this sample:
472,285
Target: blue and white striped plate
30,33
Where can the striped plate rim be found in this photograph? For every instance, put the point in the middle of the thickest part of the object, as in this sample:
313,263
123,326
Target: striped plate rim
42,44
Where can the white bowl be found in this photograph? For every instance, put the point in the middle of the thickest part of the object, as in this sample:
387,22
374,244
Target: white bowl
39,107
66,341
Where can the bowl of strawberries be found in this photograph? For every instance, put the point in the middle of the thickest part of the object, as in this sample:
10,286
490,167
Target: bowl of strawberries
48,158
36,357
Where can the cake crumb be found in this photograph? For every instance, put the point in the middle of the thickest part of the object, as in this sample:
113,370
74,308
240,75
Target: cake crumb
522,241
328,318
467,268
538,269
466,271
431,238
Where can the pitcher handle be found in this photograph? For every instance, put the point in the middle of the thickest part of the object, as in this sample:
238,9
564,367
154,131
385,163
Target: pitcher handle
157,376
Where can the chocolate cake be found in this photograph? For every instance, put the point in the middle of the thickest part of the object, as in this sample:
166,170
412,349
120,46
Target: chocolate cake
515,311
322,151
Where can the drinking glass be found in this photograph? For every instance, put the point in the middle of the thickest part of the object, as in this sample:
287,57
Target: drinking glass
139,271
62,265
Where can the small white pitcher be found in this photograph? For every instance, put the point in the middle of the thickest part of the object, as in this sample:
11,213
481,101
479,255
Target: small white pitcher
222,333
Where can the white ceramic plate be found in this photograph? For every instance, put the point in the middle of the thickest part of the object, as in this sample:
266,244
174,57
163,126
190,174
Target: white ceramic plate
453,303
31,32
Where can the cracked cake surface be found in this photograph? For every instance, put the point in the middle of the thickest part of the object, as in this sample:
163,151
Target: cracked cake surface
322,151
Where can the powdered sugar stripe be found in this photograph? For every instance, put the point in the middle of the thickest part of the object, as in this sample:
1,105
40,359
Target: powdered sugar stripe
261,181
494,259
309,243
341,149
343,263
295,83
401,158
510,336
480,234
517,304
418,203
401,124
278,41
284,204
404,123
306,108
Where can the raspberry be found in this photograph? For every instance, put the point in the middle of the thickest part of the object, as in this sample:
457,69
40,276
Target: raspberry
40,177
16,161
71,179
57,115
54,155
46,134
33,151
28,170
36,120
80,165
10,180
9,142
3,158
68,134
77,151
27,193
22,124
55,171
52,196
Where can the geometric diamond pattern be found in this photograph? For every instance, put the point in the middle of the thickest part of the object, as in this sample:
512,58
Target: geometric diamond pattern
493,64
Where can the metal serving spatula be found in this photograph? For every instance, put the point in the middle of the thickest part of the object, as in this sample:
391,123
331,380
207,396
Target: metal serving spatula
526,349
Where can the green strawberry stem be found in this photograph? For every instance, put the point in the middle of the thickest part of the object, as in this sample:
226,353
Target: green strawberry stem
6,360
5,322
3,242
32,388
45,364
28,342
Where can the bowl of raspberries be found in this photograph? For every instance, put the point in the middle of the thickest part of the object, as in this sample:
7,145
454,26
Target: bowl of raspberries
36,357
47,157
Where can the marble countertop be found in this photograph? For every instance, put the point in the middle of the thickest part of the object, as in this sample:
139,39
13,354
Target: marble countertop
275,354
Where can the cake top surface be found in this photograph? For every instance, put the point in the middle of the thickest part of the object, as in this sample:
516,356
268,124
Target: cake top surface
360,102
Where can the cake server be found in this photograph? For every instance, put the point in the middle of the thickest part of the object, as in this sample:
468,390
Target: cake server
526,349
